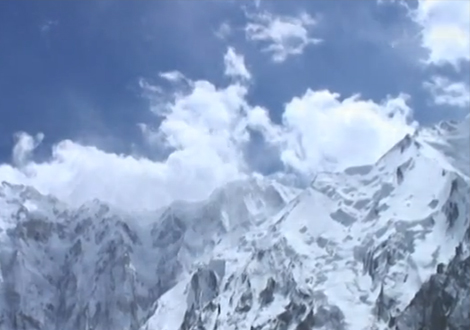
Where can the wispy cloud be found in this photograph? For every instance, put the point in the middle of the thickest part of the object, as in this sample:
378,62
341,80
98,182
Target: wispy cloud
24,147
223,31
281,36
47,26
173,76
235,65
447,92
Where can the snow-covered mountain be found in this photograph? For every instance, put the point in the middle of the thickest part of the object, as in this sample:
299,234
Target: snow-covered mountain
383,246
99,268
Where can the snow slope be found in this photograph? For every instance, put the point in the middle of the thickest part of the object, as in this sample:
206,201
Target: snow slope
350,252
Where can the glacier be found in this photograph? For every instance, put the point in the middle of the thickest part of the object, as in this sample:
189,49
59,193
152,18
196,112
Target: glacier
379,246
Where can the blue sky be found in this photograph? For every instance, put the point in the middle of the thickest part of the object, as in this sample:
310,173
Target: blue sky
75,70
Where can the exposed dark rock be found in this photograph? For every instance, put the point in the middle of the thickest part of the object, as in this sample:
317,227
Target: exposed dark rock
245,302
443,302
267,295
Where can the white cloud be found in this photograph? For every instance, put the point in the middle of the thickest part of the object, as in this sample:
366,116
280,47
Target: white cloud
283,36
320,130
446,92
235,65
206,129
445,30
173,76
202,127
77,173
445,34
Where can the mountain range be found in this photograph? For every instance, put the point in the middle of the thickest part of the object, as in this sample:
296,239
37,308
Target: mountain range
380,246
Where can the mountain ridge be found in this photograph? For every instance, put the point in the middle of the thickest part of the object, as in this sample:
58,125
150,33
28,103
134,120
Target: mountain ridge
354,250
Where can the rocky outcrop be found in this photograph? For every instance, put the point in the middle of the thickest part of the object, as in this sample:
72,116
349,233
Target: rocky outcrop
443,302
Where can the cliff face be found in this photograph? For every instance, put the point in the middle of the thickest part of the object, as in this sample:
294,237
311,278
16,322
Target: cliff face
443,302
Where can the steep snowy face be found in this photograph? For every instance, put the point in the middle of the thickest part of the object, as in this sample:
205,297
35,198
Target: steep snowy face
98,268
453,140
195,229
354,251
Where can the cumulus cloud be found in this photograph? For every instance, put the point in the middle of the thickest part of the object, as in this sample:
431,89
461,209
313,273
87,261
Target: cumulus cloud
445,30
282,36
206,128
77,173
320,131
446,92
